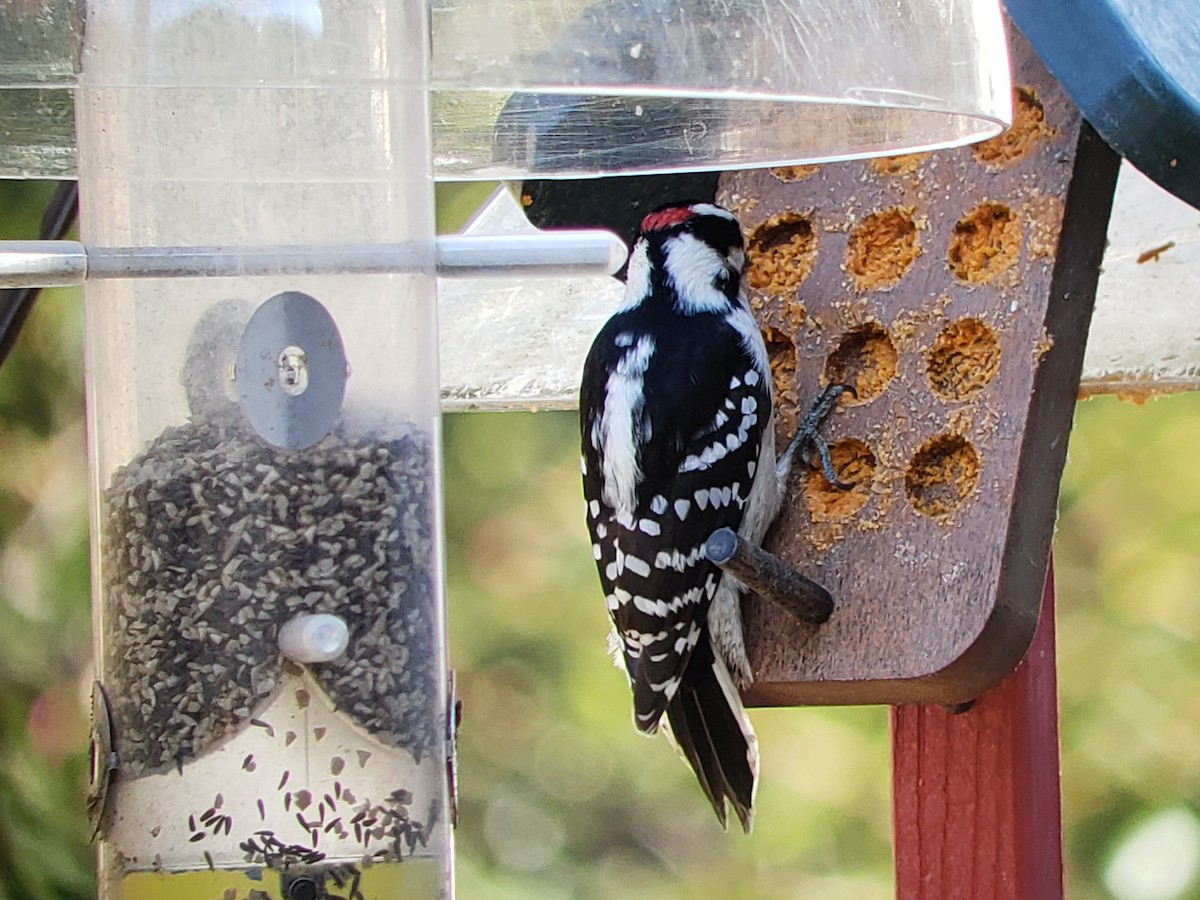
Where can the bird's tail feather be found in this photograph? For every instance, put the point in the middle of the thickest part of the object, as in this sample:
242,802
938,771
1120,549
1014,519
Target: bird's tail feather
711,730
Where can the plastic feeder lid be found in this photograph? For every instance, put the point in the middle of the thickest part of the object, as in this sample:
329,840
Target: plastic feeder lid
1131,68
546,89
553,89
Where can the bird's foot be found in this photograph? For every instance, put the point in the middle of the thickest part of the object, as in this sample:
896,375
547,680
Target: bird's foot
808,437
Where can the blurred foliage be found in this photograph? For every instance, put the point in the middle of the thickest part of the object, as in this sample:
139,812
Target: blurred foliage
44,618
559,797
457,201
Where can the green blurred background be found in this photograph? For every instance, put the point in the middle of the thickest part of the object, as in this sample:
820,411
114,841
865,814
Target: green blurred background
559,797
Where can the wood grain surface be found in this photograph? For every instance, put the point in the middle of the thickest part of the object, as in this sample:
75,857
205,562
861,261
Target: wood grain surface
953,289
976,802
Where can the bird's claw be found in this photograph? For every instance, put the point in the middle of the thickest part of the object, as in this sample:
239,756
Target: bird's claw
831,474
807,434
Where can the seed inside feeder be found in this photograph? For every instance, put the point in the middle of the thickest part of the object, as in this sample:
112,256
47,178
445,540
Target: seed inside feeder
213,542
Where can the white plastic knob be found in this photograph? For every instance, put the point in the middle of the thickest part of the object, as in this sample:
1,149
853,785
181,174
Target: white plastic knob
314,638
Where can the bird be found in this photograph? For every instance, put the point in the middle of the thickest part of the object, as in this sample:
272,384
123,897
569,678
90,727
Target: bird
677,438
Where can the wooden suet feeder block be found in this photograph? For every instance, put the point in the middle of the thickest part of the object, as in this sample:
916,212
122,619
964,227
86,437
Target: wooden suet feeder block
953,291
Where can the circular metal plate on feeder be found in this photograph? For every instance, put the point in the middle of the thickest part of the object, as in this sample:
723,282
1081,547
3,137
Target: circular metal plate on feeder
291,371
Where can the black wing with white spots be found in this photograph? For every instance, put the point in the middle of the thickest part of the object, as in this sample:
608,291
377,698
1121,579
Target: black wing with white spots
672,423
674,407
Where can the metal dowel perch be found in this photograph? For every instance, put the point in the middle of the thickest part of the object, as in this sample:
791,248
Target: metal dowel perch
769,576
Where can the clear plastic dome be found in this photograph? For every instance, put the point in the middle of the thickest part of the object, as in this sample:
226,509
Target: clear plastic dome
545,88
549,88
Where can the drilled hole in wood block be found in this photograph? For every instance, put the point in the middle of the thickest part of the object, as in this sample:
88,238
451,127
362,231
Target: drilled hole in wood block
1028,127
882,247
962,360
942,474
781,354
905,164
793,173
960,505
865,359
854,464
986,243
781,252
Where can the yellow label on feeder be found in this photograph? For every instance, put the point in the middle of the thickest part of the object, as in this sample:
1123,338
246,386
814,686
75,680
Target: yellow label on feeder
415,878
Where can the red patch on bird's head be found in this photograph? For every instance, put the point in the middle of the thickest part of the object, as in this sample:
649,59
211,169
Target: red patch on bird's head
665,218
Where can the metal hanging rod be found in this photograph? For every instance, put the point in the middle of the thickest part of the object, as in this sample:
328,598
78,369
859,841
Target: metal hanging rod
558,253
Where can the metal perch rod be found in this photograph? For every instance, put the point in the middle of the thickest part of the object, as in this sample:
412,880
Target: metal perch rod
769,576
554,254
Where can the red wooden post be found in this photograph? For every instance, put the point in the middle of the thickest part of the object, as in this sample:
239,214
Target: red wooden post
976,807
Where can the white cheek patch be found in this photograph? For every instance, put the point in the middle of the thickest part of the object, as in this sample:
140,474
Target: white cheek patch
692,268
637,276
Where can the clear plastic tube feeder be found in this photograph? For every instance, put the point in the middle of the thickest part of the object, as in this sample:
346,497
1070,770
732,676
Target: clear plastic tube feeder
271,702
